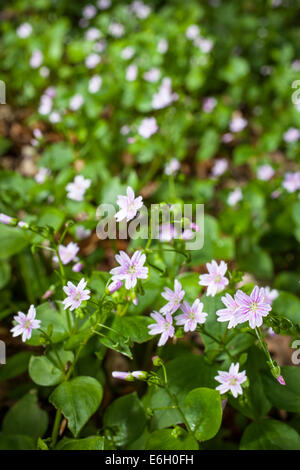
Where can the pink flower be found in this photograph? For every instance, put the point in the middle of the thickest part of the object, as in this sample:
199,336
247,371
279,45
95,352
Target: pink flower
89,11
172,167
265,172
82,233
291,135
164,97
209,104
24,30
166,232
67,253
77,188
104,4
215,280
41,175
162,46
192,31
36,59
120,375
26,323
136,374
231,380
130,269
116,29
131,72
5,219
174,298
152,75
127,53
92,34
281,380
162,326
77,267
291,181
76,102
270,295
252,308
75,294
148,127
129,205
237,124
92,61
235,196
140,9
114,286
228,313
192,315
219,167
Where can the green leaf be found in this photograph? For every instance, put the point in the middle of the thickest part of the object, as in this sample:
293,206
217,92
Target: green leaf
184,374
287,305
203,411
126,419
16,442
4,273
284,397
171,439
12,240
78,400
88,443
26,418
270,434
15,366
57,156
46,370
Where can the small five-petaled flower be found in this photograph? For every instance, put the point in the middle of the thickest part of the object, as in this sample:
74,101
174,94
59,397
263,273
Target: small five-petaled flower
231,380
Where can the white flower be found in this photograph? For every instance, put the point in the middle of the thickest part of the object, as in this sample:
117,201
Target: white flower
130,269
235,196
131,72
265,172
25,324
127,52
116,29
231,380
41,175
24,30
95,84
55,117
36,59
192,31
104,4
76,190
148,127
162,46
67,253
92,34
164,97
45,105
129,205
152,75
76,102
215,280
75,294
92,61
237,124
172,167
140,9
89,11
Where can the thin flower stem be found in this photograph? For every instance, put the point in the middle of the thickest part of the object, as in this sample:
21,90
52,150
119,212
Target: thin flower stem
56,426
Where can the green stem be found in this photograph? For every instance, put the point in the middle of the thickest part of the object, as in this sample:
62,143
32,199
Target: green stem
56,426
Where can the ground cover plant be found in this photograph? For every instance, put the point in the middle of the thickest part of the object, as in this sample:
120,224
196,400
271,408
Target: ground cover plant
144,342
